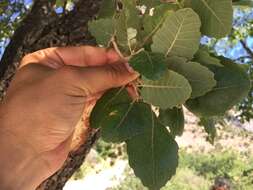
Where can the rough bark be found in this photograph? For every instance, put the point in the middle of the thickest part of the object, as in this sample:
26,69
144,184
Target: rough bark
42,28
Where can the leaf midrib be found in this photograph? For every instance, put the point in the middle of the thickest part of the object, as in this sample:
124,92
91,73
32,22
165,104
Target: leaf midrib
150,60
152,148
212,11
160,86
176,37
228,87
125,115
151,34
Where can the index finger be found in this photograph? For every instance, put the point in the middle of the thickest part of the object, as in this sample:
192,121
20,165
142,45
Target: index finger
82,56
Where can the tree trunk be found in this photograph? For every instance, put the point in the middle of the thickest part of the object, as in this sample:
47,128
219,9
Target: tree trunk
43,28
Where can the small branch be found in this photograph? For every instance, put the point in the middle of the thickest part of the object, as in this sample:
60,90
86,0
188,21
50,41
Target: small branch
64,8
248,50
133,54
116,48
244,57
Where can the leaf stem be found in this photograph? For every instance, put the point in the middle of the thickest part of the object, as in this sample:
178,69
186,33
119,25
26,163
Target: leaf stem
116,48
179,4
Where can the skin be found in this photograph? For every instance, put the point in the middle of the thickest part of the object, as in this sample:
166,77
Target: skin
46,99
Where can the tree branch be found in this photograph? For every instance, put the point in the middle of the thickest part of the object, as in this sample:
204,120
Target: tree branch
28,31
248,50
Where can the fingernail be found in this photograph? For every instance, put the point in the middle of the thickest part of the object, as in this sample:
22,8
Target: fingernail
129,68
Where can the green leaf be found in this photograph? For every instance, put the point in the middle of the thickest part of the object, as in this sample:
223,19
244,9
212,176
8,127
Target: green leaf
149,3
179,34
174,119
216,16
203,57
107,9
151,65
111,97
102,30
233,85
124,122
127,21
121,32
169,91
153,155
243,3
151,23
60,3
119,117
200,77
131,13
209,126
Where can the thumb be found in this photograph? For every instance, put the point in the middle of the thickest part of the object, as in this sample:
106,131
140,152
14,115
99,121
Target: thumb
93,80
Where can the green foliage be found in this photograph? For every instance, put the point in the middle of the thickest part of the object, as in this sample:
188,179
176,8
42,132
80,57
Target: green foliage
119,117
62,3
8,23
241,32
200,77
185,179
108,9
103,36
169,91
153,154
209,126
216,16
199,171
162,44
151,23
150,65
243,3
174,119
149,3
233,85
228,164
175,40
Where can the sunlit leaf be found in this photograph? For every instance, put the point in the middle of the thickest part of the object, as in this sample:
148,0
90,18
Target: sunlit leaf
169,91
233,85
200,77
216,16
179,34
151,23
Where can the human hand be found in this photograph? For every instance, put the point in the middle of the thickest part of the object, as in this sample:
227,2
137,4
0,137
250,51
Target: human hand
45,101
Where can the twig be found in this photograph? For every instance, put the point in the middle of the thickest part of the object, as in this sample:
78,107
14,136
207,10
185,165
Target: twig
248,50
244,57
134,53
116,48
64,8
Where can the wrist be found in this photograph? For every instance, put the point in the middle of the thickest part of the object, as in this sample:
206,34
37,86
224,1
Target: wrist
20,166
